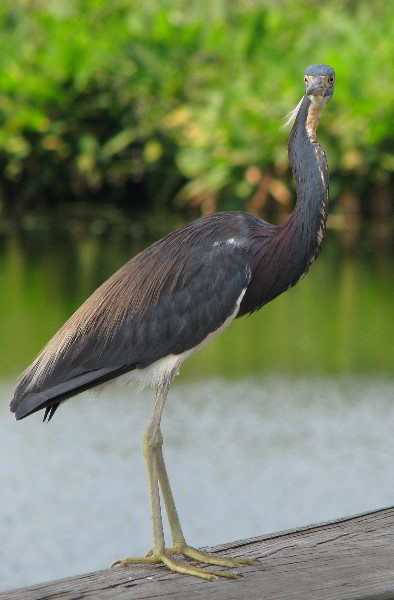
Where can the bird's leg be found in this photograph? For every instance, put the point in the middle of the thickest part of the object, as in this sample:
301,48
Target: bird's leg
154,461
178,540
154,493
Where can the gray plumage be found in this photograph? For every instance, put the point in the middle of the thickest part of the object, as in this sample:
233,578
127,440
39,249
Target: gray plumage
166,301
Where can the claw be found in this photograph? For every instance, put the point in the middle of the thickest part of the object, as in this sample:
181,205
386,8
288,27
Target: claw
179,566
213,559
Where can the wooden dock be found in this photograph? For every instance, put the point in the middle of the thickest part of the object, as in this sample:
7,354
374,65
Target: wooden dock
347,559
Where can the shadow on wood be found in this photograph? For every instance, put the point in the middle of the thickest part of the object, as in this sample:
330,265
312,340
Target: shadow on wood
347,559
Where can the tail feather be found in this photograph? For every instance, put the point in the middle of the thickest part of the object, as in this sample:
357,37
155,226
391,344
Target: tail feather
50,411
25,403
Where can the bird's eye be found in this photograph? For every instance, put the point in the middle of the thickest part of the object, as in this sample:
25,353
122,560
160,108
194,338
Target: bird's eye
331,79
306,79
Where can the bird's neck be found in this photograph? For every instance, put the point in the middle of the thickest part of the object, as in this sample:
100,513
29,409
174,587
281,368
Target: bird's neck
307,223
281,255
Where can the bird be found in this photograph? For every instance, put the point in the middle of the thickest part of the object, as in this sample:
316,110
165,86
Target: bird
172,298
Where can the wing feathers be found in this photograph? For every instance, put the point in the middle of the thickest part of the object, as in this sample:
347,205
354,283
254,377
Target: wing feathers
166,300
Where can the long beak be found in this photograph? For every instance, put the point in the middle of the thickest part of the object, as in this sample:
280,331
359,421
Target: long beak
314,87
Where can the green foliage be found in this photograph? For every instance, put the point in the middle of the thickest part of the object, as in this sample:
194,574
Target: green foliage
184,100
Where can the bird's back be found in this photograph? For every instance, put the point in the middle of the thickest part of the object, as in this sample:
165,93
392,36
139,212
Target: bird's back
165,301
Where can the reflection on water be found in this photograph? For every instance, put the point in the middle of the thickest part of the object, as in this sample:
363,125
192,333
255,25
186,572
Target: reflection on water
339,318
245,458
286,418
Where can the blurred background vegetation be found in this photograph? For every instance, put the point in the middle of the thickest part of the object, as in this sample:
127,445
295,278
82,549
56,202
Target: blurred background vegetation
168,104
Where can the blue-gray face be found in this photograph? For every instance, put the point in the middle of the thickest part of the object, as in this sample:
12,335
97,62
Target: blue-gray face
319,81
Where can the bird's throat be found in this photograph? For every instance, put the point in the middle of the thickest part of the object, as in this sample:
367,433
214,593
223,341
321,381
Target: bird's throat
316,108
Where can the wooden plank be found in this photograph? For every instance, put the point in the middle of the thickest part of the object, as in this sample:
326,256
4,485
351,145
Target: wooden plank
347,559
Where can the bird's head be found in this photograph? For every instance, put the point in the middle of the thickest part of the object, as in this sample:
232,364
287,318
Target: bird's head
319,87
319,83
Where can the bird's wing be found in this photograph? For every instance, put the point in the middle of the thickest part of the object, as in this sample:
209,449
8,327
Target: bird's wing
166,300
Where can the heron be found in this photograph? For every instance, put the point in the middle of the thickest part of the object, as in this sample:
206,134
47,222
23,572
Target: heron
172,298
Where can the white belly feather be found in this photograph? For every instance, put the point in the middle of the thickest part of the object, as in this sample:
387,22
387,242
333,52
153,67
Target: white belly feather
162,368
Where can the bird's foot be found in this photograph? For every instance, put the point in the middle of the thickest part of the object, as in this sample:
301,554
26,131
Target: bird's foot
178,566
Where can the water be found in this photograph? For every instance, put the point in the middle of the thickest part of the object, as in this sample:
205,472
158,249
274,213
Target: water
284,420
338,319
258,456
